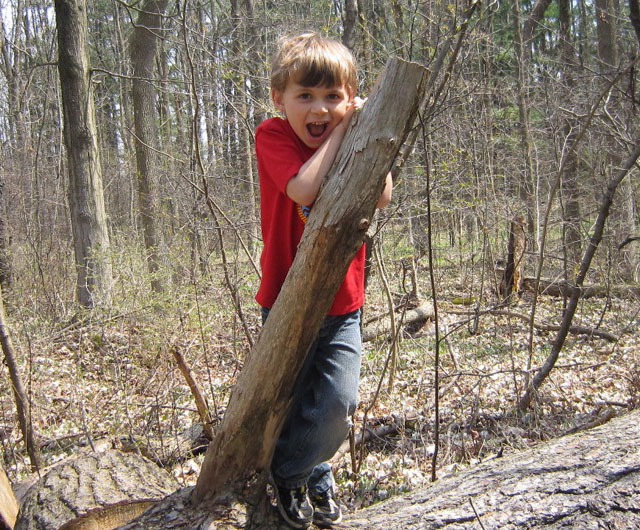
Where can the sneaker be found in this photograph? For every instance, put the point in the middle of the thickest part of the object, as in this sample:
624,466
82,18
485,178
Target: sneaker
326,509
294,506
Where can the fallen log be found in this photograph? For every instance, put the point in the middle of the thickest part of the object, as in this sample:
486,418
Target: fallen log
412,318
93,491
590,479
562,288
586,480
417,317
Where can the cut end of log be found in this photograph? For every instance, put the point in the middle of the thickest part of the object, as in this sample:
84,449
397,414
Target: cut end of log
8,503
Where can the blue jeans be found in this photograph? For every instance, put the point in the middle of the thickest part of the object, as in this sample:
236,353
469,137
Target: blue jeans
324,398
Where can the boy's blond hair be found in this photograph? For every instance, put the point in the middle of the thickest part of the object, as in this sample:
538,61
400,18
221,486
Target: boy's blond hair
312,60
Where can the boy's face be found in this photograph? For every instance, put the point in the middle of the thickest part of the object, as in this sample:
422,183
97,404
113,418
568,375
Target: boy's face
313,112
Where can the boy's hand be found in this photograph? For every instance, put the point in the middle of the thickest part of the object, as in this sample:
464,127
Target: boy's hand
354,106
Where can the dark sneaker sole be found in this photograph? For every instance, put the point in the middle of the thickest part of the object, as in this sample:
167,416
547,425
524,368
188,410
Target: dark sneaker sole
283,513
323,522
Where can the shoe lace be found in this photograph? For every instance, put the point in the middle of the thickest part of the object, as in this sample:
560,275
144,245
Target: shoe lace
301,494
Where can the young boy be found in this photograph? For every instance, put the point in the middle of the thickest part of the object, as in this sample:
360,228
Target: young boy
313,83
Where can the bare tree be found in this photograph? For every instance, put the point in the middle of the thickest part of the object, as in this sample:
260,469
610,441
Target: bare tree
86,200
142,49
585,264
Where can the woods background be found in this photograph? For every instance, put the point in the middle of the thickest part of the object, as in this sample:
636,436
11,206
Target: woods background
536,112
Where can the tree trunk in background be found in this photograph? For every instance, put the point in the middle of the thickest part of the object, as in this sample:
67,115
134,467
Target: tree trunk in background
634,17
624,216
244,49
142,49
522,45
5,258
17,138
349,22
86,199
570,185
513,264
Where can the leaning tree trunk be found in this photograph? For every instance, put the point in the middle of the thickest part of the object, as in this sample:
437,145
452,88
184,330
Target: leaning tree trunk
334,232
86,198
237,461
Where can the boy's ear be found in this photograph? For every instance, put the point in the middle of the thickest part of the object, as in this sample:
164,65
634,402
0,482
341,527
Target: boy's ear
276,97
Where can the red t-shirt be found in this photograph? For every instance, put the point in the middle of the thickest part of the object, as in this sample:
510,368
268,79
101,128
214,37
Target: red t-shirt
280,155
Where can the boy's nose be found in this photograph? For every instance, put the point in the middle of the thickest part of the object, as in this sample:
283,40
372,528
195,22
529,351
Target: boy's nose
320,108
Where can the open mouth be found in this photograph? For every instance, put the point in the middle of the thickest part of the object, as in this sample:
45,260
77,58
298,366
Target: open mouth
316,130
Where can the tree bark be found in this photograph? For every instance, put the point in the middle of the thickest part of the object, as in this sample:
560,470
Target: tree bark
86,198
8,503
142,49
510,282
586,480
349,20
97,490
634,17
569,185
590,479
5,258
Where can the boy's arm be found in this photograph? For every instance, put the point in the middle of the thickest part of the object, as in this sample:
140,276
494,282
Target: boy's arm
303,188
385,197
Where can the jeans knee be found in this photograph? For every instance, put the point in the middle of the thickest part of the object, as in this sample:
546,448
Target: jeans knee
339,410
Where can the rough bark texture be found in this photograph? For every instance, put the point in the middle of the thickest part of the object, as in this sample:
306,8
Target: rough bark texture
515,251
587,480
86,199
142,49
239,457
97,490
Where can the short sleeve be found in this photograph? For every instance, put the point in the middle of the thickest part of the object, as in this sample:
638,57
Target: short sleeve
278,154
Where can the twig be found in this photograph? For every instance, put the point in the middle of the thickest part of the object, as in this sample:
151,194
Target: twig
476,513
198,396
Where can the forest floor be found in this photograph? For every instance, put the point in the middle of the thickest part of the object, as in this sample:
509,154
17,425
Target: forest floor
111,381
